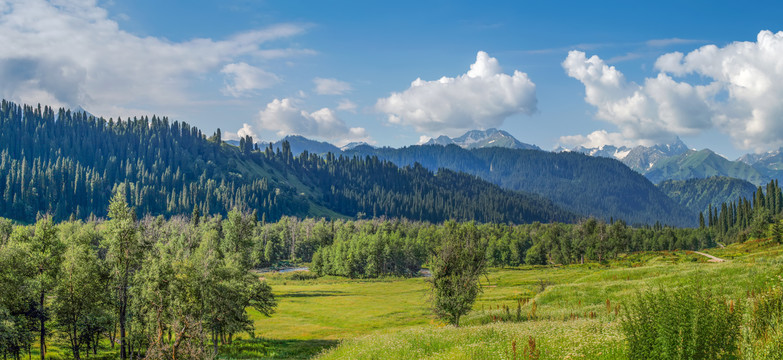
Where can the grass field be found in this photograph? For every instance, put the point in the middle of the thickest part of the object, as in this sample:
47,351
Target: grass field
576,312
576,309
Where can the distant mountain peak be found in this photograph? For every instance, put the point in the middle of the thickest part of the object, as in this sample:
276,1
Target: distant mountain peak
354,144
639,158
475,139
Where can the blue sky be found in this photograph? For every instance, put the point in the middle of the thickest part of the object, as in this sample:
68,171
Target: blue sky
258,65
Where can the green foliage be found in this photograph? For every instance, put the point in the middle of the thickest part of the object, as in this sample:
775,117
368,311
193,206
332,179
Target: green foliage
687,323
457,264
82,296
373,251
763,334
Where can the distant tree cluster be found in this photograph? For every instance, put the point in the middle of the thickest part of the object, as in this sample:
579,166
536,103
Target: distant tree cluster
755,217
377,247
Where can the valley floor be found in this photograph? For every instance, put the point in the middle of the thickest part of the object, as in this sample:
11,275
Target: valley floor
527,312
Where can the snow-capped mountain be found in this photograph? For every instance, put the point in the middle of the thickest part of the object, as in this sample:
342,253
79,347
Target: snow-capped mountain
639,158
475,139
772,156
354,144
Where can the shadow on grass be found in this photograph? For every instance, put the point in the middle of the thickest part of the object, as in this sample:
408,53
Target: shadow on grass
260,348
312,294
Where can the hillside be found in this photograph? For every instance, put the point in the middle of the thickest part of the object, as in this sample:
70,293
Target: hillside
698,194
702,164
69,167
590,186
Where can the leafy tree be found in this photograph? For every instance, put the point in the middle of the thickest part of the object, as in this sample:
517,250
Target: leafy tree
45,251
457,264
18,308
81,295
123,257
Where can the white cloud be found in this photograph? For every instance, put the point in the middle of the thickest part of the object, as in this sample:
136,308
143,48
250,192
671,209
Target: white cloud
600,138
670,42
423,139
69,52
346,105
285,118
652,112
244,79
481,98
741,97
331,86
245,130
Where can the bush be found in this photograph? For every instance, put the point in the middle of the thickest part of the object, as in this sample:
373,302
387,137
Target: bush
303,275
688,323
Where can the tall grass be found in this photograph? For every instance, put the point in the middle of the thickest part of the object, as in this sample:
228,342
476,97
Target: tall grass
686,323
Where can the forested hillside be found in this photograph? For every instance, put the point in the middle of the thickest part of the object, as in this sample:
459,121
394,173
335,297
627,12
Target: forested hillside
67,164
590,186
698,194
703,164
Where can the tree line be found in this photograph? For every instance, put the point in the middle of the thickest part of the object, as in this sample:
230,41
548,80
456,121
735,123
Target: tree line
753,217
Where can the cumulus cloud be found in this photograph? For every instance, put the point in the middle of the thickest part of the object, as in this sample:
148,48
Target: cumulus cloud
286,118
481,98
331,86
245,130
69,52
741,97
244,79
600,138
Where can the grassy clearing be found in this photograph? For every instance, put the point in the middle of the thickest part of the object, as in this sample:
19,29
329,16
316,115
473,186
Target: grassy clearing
338,318
576,307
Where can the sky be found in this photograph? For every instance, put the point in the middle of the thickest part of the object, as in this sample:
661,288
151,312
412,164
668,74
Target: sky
551,73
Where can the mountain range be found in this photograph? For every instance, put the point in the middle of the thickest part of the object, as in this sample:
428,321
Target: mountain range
675,161
581,191
607,182
589,186
476,139
639,158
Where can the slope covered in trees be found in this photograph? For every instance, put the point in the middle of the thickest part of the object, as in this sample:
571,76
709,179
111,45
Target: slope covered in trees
590,186
702,164
67,164
698,194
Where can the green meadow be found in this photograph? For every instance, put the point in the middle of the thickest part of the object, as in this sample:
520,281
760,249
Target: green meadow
538,312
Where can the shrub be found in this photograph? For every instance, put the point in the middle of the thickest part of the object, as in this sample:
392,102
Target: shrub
303,275
688,323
